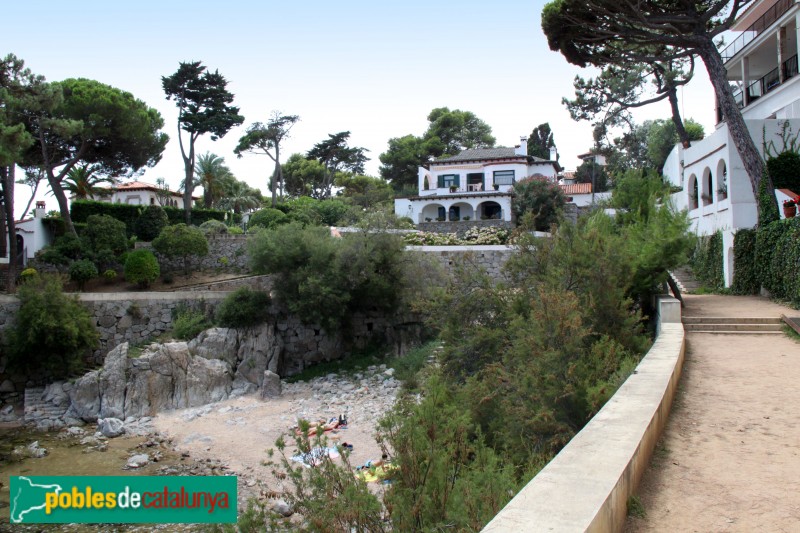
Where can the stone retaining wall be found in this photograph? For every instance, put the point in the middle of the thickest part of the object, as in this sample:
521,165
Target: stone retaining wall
490,258
139,318
226,253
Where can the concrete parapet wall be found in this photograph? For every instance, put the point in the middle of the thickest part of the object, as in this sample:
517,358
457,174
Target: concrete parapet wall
586,487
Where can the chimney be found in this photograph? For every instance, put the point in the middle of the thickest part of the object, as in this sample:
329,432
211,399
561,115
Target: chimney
522,148
39,212
553,154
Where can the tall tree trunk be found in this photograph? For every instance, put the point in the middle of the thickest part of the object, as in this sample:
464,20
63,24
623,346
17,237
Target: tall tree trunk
30,200
187,190
745,146
672,96
3,242
276,175
8,198
63,204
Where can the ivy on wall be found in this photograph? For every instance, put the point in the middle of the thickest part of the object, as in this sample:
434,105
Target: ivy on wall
707,261
745,276
777,258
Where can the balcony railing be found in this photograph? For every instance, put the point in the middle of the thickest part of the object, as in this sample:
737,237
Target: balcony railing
757,28
766,83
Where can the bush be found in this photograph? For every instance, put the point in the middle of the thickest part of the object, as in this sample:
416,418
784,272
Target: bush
214,227
181,241
51,331
540,197
104,233
188,324
65,249
324,280
150,223
235,230
82,271
243,308
784,169
267,218
141,268
110,275
28,274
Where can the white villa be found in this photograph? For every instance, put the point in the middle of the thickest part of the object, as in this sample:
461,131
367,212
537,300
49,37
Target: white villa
761,62
141,193
473,185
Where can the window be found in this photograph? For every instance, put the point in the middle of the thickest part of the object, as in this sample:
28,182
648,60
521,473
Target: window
448,180
504,177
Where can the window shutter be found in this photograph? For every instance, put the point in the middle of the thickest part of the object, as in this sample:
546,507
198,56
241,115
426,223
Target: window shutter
441,182
458,180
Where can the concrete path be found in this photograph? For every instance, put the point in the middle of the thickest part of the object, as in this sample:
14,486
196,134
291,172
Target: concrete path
729,459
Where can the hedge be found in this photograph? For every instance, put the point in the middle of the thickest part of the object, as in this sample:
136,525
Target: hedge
745,275
777,258
81,210
707,261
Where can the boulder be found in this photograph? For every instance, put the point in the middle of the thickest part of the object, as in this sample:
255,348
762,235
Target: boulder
271,387
54,394
216,343
260,349
84,397
110,427
7,386
282,508
113,381
207,381
138,461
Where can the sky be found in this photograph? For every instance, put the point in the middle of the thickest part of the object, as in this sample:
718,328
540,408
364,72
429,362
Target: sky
373,68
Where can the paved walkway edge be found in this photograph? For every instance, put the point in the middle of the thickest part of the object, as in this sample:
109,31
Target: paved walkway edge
586,487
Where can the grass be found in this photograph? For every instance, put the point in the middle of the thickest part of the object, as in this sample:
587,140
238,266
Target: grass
791,333
635,507
406,367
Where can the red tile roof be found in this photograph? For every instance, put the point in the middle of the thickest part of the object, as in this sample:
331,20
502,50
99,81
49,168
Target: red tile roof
577,188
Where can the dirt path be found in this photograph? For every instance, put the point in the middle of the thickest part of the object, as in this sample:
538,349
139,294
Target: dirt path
729,459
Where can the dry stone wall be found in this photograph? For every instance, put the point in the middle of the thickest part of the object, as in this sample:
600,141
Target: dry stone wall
226,253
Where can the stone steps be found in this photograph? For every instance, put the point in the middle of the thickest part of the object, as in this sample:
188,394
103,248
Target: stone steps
731,325
36,408
684,278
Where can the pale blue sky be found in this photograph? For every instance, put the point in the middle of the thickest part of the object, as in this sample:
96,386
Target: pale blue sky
374,68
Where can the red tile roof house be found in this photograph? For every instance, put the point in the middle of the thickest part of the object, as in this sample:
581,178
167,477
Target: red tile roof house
473,185
141,193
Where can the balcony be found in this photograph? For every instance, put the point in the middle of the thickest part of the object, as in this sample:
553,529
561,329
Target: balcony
767,83
757,28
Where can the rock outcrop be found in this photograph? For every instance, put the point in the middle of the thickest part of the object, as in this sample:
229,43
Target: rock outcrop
216,365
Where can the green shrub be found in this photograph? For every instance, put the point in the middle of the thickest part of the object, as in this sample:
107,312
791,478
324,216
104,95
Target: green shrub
541,198
188,324
214,227
324,280
267,218
150,223
141,268
110,275
104,233
243,308
181,241
28,274
82,271
235,230
65,249
51,331
745,273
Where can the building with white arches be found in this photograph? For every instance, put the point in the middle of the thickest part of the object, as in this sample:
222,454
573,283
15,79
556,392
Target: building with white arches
761,61
473,185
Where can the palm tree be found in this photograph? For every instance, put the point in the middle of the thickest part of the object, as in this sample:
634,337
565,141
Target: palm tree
240,197
211,170
82,182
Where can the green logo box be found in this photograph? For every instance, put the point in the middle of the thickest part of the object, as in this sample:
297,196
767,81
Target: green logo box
123,499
